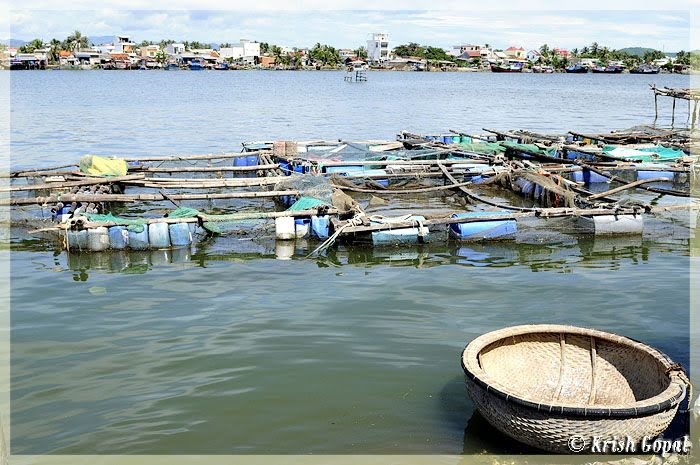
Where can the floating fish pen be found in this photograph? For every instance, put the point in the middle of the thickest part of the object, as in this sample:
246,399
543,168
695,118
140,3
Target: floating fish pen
416,189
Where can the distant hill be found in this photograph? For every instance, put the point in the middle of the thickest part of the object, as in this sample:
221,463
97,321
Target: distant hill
14,43
638,51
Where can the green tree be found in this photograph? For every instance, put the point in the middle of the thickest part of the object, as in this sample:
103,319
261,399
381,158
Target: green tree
436,54
651,55
264,48
276,52
324,55
55,47
165,42
411,49
361,53
683,58
31,46
161,57
76,41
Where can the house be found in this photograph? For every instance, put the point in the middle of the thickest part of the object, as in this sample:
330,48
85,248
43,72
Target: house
378,48
534,56
66,58
662,61
246,50
175,49
88,58
123,44
469,55
149,51
346,53
516,52
562,52
458,50
589,62
407,63
500,55
105,48
267,62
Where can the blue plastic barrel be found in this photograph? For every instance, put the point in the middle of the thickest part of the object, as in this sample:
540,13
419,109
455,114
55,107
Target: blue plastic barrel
139,240
240,161
320,226
302,227
252,160
344,170
118,237
98,239
483,230
77,240
655,174
284,166
159,235
402,235
180,235
447,139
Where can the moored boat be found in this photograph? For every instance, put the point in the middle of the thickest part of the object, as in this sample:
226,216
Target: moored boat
196,65
578,68
507,67
645,69
611,69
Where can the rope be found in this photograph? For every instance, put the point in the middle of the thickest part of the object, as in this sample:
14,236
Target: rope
687,386
354,221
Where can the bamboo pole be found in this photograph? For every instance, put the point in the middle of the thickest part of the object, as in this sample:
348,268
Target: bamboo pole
402,191
625,187
63,185
540,213
125,198
206,169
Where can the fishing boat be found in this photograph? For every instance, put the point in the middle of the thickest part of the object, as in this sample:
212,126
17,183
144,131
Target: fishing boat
515,67
545,384
611,69
172,66
196,65
645,69
545,69
221,66
578,68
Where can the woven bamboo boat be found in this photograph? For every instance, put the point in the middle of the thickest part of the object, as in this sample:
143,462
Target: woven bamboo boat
544,384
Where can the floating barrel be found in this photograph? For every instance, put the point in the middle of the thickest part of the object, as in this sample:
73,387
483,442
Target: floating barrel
483,230
587,176
284,166
402,235
98,239
611,224
655,174
159,235
344,170
285,228
180,234
77,240
302,226
252,160
524,186
63,214
139,240
118,237
383,182
320,226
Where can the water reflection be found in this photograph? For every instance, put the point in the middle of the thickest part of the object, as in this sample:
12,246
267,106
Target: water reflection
586,252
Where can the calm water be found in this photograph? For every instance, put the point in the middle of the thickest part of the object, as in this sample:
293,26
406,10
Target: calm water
210,351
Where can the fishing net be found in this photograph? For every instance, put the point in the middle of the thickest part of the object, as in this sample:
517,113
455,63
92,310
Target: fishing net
317,187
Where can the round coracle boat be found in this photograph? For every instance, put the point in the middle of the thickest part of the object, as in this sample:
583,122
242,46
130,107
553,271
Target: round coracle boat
558,388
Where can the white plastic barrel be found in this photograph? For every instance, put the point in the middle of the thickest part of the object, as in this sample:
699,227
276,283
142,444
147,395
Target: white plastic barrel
285,228
98,239
159,235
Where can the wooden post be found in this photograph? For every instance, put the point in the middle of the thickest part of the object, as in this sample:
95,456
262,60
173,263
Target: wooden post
656,106
673,112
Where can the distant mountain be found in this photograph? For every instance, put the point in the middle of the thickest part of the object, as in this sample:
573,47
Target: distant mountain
14,43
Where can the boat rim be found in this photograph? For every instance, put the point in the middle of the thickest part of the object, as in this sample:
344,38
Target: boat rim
670,397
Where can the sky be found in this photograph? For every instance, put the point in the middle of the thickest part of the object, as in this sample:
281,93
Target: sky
667,30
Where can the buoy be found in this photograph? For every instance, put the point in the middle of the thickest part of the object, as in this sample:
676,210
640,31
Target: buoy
139,240
159,235
285,228
98,239
118,237
180,235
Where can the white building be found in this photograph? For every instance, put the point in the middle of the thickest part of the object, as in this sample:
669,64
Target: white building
244,50
175,49
378,48
123,44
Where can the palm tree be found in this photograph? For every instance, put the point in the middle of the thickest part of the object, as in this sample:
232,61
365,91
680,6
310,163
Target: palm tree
594,49
77,41
55,47
544,50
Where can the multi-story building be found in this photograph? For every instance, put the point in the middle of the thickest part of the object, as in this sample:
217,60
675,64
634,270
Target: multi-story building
378,48
245,50
123,44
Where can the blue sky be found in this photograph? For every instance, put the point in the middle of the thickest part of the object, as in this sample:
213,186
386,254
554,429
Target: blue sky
667,30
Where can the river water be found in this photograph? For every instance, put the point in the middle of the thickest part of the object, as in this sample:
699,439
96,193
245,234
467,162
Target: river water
214,352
